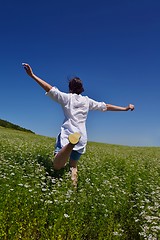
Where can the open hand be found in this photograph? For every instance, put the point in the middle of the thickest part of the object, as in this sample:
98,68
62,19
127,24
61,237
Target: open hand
130,107
28,69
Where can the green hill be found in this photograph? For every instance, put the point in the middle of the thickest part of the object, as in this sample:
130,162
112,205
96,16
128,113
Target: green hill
6,124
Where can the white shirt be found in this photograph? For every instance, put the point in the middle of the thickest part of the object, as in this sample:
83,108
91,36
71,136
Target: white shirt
75,108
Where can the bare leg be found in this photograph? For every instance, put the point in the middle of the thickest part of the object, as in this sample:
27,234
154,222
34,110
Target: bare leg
74,171
62,157
64,154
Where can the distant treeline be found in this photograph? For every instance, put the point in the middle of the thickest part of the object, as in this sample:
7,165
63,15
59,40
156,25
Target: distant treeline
7,124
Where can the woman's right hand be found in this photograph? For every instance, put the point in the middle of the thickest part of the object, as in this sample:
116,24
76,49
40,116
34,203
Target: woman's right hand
28,69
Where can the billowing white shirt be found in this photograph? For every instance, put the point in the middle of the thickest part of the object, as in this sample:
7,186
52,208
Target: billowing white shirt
75,108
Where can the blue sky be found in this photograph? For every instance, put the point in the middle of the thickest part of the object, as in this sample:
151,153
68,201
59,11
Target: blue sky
113,46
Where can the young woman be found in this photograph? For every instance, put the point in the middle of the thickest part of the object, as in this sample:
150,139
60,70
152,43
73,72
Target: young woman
72,140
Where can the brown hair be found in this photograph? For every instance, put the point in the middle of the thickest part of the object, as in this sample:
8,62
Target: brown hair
76,85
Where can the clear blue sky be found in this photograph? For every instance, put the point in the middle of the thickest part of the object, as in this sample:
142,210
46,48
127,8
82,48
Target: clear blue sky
113,46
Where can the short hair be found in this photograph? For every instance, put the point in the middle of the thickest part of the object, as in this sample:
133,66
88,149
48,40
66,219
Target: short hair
76,85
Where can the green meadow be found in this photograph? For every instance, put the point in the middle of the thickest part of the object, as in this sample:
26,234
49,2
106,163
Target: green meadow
118,193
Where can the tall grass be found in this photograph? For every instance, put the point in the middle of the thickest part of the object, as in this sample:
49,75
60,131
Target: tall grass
118,194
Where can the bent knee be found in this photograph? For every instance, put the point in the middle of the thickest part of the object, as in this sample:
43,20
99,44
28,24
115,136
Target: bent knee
57,166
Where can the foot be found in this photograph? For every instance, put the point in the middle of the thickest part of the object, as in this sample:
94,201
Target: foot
74,138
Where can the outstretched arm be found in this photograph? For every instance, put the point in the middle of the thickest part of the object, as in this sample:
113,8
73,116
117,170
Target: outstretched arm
41,82
118,108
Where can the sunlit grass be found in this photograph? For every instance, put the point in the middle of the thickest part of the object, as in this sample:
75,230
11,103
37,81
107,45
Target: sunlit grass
118,194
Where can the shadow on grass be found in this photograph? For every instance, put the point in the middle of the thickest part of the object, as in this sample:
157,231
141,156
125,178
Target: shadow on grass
47,163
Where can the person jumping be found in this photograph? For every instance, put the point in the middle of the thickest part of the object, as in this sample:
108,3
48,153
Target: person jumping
72,139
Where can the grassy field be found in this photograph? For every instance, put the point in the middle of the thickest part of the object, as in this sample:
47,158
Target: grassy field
118,194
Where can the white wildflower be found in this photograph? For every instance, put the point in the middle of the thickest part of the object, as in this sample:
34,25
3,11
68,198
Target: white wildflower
20,184
48,202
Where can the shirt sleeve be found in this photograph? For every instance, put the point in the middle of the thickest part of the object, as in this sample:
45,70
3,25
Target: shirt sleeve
58,96
94,105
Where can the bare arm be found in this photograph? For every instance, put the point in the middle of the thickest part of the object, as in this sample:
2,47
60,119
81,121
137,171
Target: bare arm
41,82
118,108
